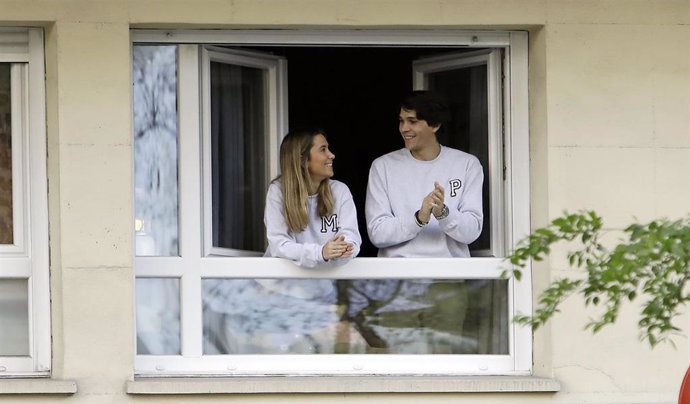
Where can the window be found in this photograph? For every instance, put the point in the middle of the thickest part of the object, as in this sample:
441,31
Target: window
24,289
210,109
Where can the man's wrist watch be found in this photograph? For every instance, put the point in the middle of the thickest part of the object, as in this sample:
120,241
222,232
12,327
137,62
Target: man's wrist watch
444,213
418,221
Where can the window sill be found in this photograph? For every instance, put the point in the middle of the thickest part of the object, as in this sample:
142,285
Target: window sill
343,384
37,386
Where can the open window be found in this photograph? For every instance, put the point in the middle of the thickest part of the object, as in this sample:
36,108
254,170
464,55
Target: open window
472,84
208,306
243,108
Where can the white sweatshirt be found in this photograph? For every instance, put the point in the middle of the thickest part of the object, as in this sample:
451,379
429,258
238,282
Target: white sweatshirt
305,247
397,185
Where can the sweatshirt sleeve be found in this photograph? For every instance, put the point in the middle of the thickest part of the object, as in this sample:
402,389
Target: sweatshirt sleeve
347,222
464,224
281,242
384,228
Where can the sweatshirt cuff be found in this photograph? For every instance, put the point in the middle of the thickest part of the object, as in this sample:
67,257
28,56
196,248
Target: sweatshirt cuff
410,226
449,222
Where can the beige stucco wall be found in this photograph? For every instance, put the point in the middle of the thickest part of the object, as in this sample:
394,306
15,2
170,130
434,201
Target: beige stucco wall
610,130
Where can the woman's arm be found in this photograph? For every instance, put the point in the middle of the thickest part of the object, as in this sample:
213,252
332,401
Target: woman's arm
281,242
347,222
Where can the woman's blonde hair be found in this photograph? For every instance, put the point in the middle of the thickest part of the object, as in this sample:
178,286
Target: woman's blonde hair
295,179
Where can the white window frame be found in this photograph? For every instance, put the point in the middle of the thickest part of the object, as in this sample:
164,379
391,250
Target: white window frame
275,70
193,267
27,257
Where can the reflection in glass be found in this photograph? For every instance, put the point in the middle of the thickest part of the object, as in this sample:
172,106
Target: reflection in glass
238,153
318,316
154,75
6,226
466,91
14,317
158,316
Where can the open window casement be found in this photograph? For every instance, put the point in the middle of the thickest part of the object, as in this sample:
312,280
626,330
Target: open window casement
244,117
472,82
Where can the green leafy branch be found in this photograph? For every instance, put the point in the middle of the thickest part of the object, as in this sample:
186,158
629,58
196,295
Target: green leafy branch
653,262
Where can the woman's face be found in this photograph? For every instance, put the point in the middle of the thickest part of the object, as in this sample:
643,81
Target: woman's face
320,163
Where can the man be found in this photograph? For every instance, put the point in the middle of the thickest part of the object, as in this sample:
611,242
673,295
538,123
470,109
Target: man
424,200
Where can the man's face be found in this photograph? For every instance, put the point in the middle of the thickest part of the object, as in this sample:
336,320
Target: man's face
416,133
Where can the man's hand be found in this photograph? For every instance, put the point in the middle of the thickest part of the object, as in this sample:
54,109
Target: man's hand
438,196
337,247
432,203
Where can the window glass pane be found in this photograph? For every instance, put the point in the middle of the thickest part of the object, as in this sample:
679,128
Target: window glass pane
238,153
466,92
6,223
158,316
154,75
14,317
319,316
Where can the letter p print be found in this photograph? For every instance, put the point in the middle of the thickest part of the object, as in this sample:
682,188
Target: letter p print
454,187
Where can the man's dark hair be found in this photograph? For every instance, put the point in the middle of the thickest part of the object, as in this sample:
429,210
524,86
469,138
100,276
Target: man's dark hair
429,106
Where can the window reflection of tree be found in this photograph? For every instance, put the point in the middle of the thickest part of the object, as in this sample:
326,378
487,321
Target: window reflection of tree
388,316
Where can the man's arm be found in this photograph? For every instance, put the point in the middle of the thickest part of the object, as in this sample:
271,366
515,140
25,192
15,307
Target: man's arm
464,224
384,228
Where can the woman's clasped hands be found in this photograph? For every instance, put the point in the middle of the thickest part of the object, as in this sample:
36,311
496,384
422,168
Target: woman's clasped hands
337,247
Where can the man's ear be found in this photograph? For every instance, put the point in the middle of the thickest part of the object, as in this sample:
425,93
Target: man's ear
436,127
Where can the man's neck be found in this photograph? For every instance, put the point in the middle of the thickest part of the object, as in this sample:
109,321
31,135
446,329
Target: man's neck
427,153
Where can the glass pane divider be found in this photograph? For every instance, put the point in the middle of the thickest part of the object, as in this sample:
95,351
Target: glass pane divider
161,267
191,315
15,267
358,268
190,213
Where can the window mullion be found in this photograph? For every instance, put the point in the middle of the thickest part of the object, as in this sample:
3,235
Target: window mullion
190,196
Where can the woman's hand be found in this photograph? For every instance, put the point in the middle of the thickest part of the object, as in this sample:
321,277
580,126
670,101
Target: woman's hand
337,247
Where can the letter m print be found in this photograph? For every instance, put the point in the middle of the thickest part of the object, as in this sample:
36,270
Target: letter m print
330,221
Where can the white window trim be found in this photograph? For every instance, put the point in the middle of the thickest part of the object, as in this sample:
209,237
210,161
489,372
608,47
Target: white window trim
192,267
275,69
28,259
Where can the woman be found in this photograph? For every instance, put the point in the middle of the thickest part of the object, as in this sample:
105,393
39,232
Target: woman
310,218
